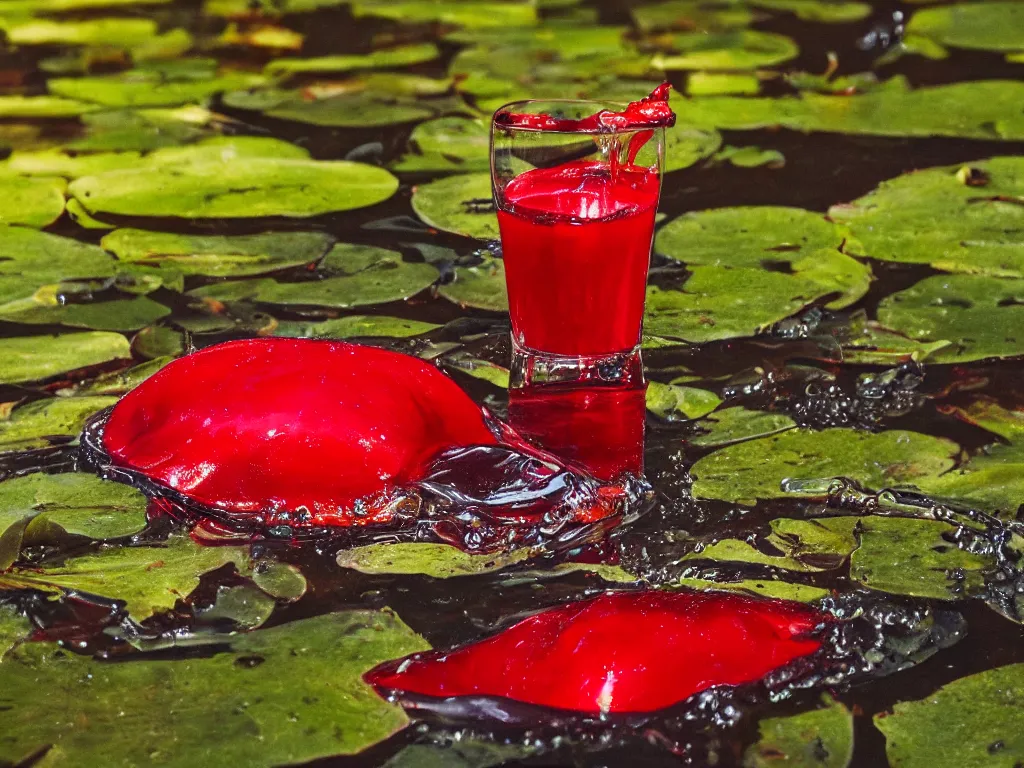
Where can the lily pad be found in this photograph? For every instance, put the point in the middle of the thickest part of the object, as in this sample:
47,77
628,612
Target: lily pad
757,469
282,581
956,218
826,11
142,130
35,424
674,402
120,32
977,317
289,694
440,561
735,425
685,146
262,36
772,589
257,187
750,157
737,49
46,308
399,56
481,286
466,13
31,358
722,83
15,106
971,722
447,144
356,326
911,557
355,107
147,87
461,204
696,15
34,202
820,738
984,26
218,255
14,628
121,382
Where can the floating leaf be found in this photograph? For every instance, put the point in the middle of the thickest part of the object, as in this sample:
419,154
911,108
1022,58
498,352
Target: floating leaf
872,344
447,144
15,106
148,88
956,218
120,32
243,605
461,204
674,402
440,561
158,341
912,557
975,317
14,628
774,590
739,49
289,694
31,202
685,146
984,26
257,187
32,425
45,308
356,107
828,11
218,255
751,157
31,358
400,56
466,13
279,580
355,326
143,129
734,425
481,286
756,469
972,722
722,83
820,738
694,15
262,36
120,382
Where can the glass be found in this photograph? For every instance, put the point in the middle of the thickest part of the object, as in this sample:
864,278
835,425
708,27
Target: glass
576,213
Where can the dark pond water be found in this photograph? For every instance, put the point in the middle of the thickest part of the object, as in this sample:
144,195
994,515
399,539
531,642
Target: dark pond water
881,344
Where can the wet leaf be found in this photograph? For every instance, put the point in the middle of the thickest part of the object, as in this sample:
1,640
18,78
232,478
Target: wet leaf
218,255
439,561
31,202
120,382
16,106
872,344
694,15
447,144
32,425
971,722
976,317
282,581
142,130
289,694
956,218
80,504
400,56
750,157
14,628
461,204
245,606
775,590
346,108
992,480
738,49
737,424
481,286
262,36
147,87
158,341
257,187
45,308
820,738
756,469
737,551
985,26
722,83
356,326
686,146
120,32
459,754
466,13
912,557
31,358
673,402
827,11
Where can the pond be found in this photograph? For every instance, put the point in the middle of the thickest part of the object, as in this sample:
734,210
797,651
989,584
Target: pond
833,340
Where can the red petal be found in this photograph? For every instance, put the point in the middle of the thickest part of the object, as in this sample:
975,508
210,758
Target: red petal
290,423
620,652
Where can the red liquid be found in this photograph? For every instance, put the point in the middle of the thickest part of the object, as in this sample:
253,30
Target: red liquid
577,244
650,112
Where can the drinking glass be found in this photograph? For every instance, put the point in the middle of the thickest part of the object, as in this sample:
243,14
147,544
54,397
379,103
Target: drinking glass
576,213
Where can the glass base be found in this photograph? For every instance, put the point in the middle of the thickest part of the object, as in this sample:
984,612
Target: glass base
530,368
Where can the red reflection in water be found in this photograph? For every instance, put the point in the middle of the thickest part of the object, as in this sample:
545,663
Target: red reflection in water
599,429
620,652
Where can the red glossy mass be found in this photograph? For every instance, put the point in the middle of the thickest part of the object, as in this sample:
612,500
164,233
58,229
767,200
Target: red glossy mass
291,424
620,652
651,111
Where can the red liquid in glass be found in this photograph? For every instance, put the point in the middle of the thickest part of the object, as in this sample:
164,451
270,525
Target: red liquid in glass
577,243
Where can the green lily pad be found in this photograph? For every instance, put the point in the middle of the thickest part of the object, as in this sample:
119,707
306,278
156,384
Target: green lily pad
696,15
141,130
121,382
15,8
991,480
156,341
722,83
484,370
29,258
257,187
282,581
673,402
285,695
356,326
757,469
218,255
147,87
263,36
737,49
911,557
16,107
58,162
773,590
873,345
820,738
956,218
984,26
357,107
244,605
978,317
461,204
825,11
735,425
14,628
33,425
120,32
31,202
972,722
439,561
481,286
32,358
466,13
686,146
399,56
750,157
79,504
447,144
45,308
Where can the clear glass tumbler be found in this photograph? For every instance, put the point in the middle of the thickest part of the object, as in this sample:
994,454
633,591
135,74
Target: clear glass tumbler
576,212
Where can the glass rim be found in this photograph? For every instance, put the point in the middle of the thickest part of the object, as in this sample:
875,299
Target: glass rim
599,131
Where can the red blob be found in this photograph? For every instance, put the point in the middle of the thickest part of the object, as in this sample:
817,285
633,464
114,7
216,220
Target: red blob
651,111
306,426
620,652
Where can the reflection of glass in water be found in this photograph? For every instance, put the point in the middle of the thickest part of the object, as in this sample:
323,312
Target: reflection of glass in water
600,429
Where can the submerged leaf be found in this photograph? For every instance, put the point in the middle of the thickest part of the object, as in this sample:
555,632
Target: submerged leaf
820,738
673,402
734,425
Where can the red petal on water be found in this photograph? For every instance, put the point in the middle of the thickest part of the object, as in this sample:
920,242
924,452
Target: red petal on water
620,652
290,423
